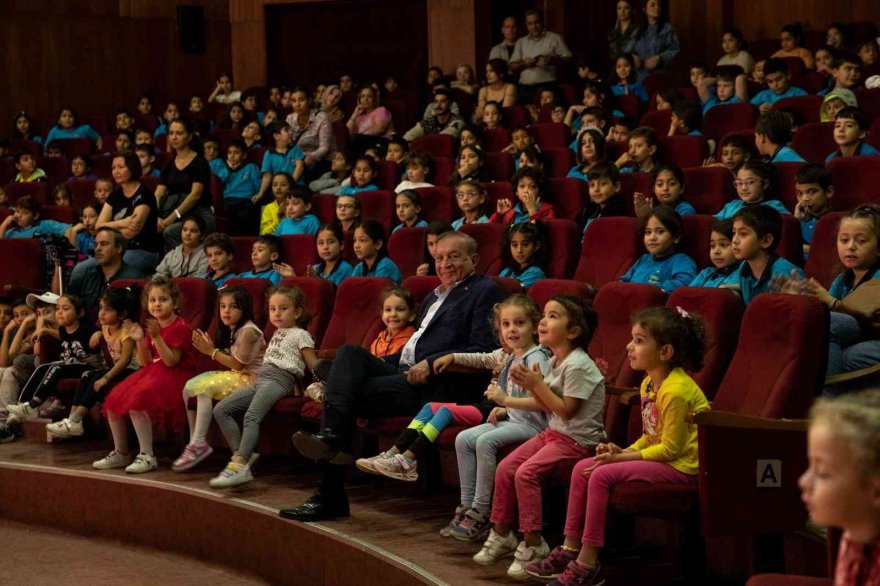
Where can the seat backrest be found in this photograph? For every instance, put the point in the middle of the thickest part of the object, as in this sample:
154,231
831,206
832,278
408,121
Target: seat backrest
569,196
438,203
199,300
420,287
563,238
257,288
615,304
495,191
631,183
38,191
406,247
82,191
551,135
823,262
499,166
299,251
488,237
388,175
629,104
241,260
378,205
729,118
508,285
544,290
255,156
610,247
856,181
76,146
558,162
659,120
324,206
806,107
869,101
814,141
785,174
320,297
22,264
721,311
791,243
684,150
356,317
708,188
496,139
779,364
64,214
515,116
438,145
696,233
444,167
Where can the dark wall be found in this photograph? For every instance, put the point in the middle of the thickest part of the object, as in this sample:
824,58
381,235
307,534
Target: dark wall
308,43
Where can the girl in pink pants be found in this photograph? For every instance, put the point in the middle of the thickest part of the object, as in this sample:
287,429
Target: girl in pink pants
665,343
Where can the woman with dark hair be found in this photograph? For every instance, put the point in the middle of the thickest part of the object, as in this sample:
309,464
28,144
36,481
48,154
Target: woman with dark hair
312,133
790,38
23,128
370,124
655,44
734,46
620,38
497,89
185,185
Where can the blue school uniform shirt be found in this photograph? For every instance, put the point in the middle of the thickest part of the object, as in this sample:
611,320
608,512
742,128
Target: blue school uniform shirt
384,267
308,224
275,162
41,228
161,129
82,131
636,89
85,243
419,224
354,189
576,172
808,228
526,277
158,173
460,222
768,96
730,208
751,286
714,101
269,274
844,283
711,278
220,281
683,208
241,183
669,273
341,271
863,150
786,154
217,166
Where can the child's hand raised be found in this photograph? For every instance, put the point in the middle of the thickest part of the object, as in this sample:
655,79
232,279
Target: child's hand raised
800,211
423,269
792,284
153,328
529,200
283,269
202,342
527,379
643,204
503,206
497,414
444,362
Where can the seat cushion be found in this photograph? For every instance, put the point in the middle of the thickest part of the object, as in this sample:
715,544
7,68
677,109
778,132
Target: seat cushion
654,499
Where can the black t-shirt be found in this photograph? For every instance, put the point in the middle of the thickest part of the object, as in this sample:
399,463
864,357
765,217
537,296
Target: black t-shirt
180,181
123,207
75,346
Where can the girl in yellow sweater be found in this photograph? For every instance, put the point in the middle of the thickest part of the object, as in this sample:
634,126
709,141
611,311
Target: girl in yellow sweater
665,343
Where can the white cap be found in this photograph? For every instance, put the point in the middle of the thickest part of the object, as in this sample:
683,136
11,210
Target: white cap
873,82
46,297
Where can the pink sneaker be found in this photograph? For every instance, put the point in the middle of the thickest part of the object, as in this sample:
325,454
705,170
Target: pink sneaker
191,456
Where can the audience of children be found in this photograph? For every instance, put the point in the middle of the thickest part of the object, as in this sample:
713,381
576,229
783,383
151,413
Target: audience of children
408,205
531,187
370,247
723,272
661,265
524,252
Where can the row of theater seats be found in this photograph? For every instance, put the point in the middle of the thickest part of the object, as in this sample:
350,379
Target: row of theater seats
610,246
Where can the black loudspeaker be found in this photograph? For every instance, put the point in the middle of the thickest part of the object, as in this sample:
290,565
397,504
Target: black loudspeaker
191,24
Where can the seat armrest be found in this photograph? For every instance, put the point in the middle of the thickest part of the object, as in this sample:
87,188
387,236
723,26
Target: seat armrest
326,354
726,419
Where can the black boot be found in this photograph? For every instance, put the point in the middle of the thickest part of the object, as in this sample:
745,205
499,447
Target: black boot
319,508
324,445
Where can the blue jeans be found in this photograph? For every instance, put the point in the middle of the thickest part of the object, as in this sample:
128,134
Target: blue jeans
143,260
848,349
477,451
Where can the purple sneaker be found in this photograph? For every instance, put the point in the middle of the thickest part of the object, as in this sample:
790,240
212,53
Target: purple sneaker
192,455
577,575
552,566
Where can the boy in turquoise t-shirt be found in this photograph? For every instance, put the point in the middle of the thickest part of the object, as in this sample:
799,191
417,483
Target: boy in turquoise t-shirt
756,234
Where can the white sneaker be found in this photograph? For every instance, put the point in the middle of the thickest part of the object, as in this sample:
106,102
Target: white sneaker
495,548
143,463
233,475
367,464
526,554
22,411
112,460
65,428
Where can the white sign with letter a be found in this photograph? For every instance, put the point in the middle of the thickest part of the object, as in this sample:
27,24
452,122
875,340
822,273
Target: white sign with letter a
768,474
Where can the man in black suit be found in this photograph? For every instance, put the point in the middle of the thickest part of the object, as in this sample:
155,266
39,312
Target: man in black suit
455,317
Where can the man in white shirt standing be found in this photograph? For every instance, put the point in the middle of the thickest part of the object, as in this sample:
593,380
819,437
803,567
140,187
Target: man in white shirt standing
536,56
504,49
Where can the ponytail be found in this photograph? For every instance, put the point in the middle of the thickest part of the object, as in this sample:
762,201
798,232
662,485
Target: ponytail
685,332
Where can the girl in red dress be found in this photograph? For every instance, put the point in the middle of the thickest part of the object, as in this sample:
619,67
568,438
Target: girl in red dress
153,393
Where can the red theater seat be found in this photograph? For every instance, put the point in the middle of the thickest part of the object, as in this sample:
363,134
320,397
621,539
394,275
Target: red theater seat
495,191
791,244
299,251
720,121
782,580
544,290
357,312
257,289
22,265
823,263
488,237
499,166
497,139
629,104
389,174
515,116
438,203
38,191
815,141
255,156
684,151
406,247
563,237
610,247
856,181
696,233
82,192
324,206
76,146
785,174
659,120
65,214
378,205
510,286
198,302
241,260
320,297
708,188
805,107
420,287
444,167
551,135
558,162
569,196
631,183
438,145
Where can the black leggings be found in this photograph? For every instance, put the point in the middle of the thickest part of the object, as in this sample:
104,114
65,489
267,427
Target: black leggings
46,376
86,395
